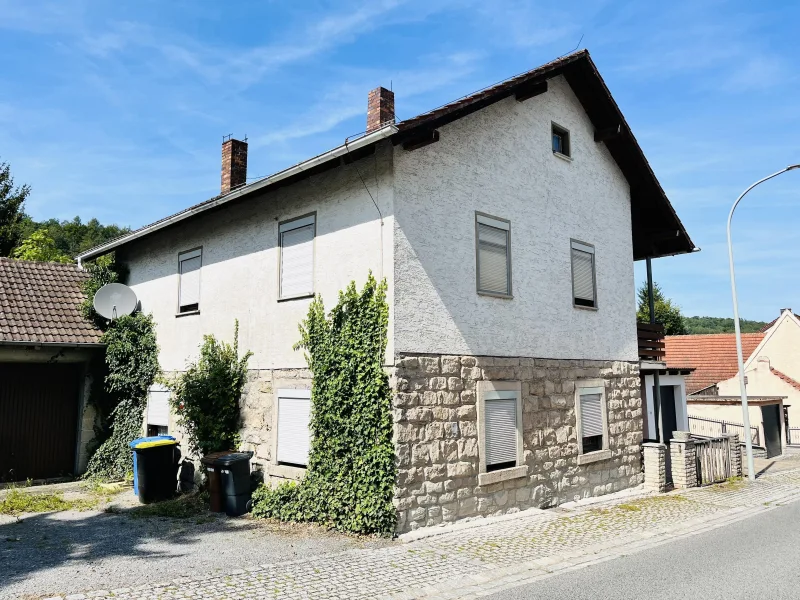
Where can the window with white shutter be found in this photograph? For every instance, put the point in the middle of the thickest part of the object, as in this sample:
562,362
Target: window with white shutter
158,408
189,264
500,430
297,257
584,290
493,255
591,409
294,435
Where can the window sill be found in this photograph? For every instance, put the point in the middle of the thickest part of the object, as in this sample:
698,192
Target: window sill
286,472
495,295
563,156
502,475
592,457
581,307
187,313
290,298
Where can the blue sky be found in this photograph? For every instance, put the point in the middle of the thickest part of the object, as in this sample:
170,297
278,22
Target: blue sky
116,110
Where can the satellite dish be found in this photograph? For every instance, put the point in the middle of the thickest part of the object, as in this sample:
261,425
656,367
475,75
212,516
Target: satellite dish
114,300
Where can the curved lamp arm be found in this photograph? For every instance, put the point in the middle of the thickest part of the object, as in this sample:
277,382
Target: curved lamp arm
745,412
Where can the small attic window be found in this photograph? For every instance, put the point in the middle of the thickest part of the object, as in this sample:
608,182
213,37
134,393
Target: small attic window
560,140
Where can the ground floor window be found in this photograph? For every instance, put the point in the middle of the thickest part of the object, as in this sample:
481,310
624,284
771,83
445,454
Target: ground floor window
158,412
590,410
294,435
500,421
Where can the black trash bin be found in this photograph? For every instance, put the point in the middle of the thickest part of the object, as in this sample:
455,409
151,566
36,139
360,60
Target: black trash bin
229,481
156,468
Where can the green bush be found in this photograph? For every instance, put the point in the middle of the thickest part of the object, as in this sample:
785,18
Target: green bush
132,363
349,482
206,397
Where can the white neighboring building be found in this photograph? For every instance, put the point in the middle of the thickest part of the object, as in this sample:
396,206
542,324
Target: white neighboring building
506,225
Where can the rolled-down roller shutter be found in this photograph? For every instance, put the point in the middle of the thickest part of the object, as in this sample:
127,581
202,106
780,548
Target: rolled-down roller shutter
297,258
189,295
583,288
493,256
500,424
294,435
158,408
591,412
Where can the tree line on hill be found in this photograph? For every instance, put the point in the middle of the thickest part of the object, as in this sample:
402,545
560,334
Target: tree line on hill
51,240
669,313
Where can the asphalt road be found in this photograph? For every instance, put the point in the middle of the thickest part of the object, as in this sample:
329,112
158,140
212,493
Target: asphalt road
757,558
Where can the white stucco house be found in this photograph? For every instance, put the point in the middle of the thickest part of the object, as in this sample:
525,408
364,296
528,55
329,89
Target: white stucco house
506,224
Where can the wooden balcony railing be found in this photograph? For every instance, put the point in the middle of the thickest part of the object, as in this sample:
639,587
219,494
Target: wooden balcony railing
651,341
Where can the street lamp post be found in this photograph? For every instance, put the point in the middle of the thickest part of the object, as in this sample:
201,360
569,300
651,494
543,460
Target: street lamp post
745,413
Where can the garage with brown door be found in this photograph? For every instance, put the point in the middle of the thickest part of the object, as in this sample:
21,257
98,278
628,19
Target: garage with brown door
39,406
46,346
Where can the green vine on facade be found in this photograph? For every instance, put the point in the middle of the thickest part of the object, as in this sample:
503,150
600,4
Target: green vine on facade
349,482
206,397
120,393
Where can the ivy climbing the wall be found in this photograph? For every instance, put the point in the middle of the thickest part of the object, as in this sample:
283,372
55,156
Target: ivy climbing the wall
349,482
131,367
206,397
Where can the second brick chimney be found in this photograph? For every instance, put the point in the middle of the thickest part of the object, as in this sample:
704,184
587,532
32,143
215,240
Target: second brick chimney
234,164
380,108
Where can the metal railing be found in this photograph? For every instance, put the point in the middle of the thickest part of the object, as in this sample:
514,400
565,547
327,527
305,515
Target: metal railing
712,428
651,341
713,459
794,436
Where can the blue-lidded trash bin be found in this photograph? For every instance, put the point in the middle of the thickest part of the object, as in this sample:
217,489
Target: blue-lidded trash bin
146,442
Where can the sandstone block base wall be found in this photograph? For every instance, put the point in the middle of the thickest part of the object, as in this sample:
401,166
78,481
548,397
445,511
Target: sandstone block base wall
436,435
258,414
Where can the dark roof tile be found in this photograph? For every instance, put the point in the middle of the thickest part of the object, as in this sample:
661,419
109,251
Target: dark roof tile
40,302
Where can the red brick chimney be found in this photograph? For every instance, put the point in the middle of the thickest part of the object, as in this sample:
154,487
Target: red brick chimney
234,164
380,108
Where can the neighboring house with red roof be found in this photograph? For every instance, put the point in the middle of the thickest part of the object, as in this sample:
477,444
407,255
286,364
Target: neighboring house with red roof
46,347
772,370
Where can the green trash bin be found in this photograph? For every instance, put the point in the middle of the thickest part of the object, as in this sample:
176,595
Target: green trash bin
157,469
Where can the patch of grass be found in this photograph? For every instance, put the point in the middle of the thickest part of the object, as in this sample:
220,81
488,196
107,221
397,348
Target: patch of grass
190,506
17,502
629,507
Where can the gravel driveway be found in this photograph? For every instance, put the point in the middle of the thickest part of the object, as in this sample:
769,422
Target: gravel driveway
61,553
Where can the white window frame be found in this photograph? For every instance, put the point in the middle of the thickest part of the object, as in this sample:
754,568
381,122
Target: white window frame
589,249
274,468
487,389
182,257
594,385
158,389
290,225
497,223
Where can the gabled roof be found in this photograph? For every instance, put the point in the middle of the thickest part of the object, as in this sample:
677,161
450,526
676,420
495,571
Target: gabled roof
712,356
40,304
657,230
792,382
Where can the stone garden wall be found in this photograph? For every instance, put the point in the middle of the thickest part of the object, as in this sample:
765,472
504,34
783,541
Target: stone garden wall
436,435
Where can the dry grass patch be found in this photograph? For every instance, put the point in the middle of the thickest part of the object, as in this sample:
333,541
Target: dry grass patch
17,502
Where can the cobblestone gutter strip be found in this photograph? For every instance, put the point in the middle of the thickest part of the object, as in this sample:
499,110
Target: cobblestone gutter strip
469,563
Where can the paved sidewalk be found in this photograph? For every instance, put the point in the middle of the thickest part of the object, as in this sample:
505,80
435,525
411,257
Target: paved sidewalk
497,555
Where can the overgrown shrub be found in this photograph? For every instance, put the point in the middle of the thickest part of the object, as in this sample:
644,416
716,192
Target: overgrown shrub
349,482
132,362
206,397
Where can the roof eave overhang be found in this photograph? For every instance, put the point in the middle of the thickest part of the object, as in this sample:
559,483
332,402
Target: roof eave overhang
34,343
319,161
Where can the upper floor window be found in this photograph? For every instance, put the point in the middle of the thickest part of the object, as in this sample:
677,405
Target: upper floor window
561,140
584,288
297,257
493,255
189,264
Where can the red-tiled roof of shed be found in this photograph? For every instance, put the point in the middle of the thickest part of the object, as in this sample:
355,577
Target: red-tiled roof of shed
713,356
40,303
792,382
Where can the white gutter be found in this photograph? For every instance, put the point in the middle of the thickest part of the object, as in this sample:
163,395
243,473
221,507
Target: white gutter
366,140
